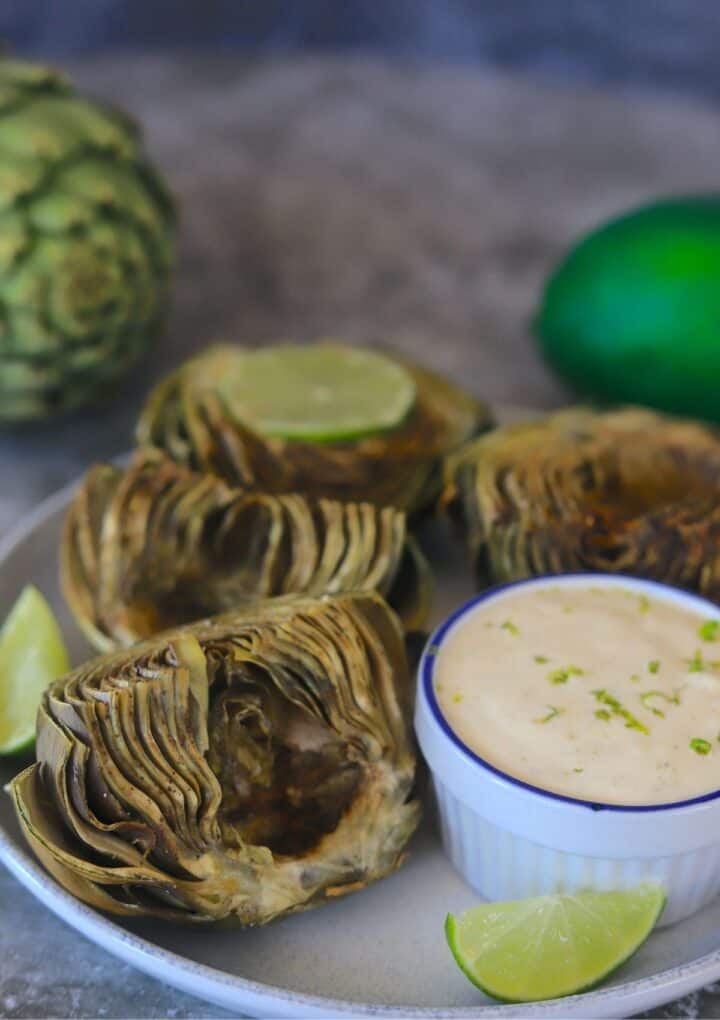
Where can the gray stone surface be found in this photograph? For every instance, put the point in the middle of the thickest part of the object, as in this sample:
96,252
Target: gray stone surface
414,206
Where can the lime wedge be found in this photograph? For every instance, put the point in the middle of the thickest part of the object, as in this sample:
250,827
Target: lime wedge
541,948
325,393
32,655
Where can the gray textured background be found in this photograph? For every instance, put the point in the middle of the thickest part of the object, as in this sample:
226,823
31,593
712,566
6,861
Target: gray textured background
670,44
418,206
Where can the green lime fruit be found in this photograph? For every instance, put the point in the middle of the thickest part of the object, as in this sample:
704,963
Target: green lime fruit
548,946
632,314
32,655
323,393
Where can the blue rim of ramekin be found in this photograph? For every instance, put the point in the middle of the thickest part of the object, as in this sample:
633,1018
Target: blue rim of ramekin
427,664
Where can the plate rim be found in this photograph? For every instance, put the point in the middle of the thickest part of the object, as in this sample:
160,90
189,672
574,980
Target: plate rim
230,991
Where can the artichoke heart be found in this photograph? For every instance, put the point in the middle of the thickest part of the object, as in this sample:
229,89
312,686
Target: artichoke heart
623,491
189,417
157,546
245,767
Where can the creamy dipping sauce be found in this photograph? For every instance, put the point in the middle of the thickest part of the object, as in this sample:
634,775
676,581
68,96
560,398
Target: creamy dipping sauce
594,692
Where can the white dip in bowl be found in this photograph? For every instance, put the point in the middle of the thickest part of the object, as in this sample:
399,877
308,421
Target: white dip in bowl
572,727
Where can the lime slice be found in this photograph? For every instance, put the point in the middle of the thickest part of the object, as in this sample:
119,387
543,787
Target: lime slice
325,393
541,948
32,655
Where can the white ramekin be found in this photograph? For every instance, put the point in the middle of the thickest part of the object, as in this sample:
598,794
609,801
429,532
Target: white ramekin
510,839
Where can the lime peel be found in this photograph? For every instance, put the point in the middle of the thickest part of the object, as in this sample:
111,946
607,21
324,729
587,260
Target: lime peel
551,946
32,655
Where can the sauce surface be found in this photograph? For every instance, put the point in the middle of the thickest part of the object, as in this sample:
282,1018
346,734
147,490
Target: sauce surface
592,692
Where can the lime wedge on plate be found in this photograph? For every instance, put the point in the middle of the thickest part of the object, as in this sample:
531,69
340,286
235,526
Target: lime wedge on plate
32,655
324,393
547,946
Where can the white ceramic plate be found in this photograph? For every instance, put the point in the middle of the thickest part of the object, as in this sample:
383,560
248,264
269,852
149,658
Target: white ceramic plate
379,953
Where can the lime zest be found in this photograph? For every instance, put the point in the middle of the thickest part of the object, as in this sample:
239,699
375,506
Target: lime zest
671,699
616,708
709,631
700,746
697,663
552,714
561,676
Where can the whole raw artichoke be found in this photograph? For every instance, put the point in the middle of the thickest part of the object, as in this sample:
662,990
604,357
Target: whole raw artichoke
156,546
86,229
188,417
245,767
625,491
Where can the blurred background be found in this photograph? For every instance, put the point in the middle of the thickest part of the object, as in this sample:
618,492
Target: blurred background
403,172
671,44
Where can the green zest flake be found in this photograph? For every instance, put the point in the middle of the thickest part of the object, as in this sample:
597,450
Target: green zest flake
700,746
551,714
696,664
710,630
578,770
671,699
616,708
643,604
654,666
561,676
602,713
542,659
457,698
635,678
510,627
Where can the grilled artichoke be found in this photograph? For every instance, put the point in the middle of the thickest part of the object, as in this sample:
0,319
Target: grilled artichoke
242,768
188,417
157,546
86,229
627,491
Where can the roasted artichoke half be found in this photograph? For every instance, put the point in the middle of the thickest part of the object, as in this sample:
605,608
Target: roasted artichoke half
242,768
627,491
188,418
156,546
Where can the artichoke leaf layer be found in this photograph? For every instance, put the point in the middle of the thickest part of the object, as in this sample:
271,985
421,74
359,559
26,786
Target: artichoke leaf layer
623,491
242,768
187,418
156,546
